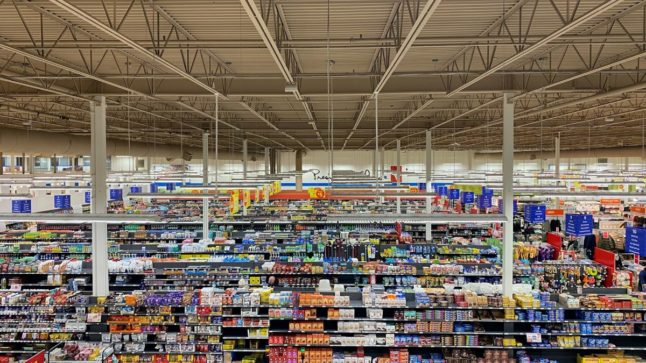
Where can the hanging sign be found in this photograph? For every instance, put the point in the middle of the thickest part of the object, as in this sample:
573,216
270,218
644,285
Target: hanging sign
135,189
316,193
153,188
21,206
246,198
442,191
234,201
468,197
636,240
116,194
63,201
578,224
484,201
534,213
454,194
435,187
88,197
487,191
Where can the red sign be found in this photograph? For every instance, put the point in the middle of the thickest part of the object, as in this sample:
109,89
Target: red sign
554,212
638,209
610,201
37,358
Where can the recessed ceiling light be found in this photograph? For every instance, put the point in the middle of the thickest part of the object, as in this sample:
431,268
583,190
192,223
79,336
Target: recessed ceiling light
609,119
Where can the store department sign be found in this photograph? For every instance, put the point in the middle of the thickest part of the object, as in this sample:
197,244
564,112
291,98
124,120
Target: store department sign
63,201
454,194
636,241
468,197
116,194
534,213
578,224
21,206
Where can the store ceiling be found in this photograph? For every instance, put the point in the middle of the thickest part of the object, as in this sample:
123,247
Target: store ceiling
575,67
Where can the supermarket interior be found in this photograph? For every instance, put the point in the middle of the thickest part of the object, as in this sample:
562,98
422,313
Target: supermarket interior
322,181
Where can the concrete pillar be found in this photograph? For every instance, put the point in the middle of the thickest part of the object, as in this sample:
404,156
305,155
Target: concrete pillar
376,155
24,163
557,165
267,161
429,159
626,163
54,164
382,159
245,158
279,168
272,161
508,194
299,168
399,161
1,163
100,286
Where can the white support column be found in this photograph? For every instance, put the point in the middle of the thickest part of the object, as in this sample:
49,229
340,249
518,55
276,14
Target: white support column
279,168
376,156
382,159
149,164
557,165
100,286
399,159
298,164
267,161
24,163
508,194
399,205
626,163
205,183
429,182
245,158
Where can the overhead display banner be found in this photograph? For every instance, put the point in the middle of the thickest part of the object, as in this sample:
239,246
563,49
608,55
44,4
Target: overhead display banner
63,201
468,197
21,206
578,224
454,194
636,241
116,194
534,213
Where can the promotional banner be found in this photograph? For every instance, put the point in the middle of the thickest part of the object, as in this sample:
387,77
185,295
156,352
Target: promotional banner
246,198
468,197
578,224
116,194
234,201
316,193
62,201
636,241
534,213
21,206
454,194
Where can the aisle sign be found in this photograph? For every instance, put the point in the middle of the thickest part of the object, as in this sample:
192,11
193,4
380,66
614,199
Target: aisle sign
468,197
63,201
436,187
153,188
487,191
578,224
21,206
88,197
442,191
636,240
534,213
484,201
116,194
135,189
454,194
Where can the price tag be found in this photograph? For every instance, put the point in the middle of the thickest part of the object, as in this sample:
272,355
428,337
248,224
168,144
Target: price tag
15,287
534,338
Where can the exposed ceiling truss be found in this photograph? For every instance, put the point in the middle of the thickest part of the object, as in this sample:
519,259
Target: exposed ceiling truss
574,67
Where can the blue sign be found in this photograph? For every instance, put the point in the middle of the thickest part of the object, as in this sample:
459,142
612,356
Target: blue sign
135,189
454,194
63,201
170,186
442,191
88,197
21,206
153,188
484,201
468,197
435,186
636,241
534,213
116,194
578,224
487,191
501,206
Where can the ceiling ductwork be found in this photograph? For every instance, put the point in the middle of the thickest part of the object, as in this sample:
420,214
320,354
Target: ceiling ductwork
15,141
